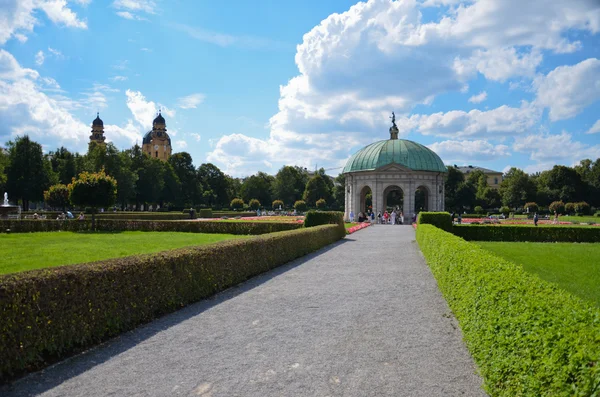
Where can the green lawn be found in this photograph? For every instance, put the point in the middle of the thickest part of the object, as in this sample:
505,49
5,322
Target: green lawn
575,267
26,251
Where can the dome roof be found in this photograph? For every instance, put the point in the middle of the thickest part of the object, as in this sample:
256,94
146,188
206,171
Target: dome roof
159,119
97,120
395,151
148,138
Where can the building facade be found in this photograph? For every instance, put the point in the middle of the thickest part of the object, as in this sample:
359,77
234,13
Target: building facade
97,130
157,143
494,178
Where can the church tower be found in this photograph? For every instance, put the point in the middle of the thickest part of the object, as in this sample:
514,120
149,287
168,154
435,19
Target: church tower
97,130
157,143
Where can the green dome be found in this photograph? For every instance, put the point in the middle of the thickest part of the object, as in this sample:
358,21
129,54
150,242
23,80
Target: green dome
395,151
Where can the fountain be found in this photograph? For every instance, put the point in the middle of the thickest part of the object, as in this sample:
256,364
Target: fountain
9,211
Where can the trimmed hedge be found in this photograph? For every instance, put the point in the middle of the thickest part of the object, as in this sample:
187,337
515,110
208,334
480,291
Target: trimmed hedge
159,216
443,220
206,213
316,218
528,233
109,225
48,314
528,336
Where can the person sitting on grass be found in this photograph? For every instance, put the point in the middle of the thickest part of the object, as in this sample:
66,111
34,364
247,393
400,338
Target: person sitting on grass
81,217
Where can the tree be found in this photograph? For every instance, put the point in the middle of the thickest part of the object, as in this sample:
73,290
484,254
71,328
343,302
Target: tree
186,173
93,190
316,188
126,178
289,184
63,164
236,204
583,208
211,178
516,188
257,186
57,196
454,180
4,161
300,206
277,204
321,204
151,180
28,172
531,207
565,183
339,192
171,192
557,206
254,204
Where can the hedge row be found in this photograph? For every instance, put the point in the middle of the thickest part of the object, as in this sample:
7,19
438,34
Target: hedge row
443,220
528,337
570,234
50,313
316,218
109,225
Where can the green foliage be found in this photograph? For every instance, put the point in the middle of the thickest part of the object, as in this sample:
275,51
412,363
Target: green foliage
316,188
254,204
557,206
570,208
505,210
571,234
206,213
443,220
479,210
289,184
93,190
583,208
57,196
531,206
516,188
317,218
214,181
527,336
49,313
257,187
321,204
300,206
278,204
236,204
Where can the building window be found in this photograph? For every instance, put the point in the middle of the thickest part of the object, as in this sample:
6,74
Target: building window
157,153
495,181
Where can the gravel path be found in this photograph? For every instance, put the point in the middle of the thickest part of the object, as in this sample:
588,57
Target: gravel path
362,317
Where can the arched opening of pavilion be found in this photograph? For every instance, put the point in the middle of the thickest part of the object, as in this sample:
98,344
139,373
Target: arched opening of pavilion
366,200
393,198
421,199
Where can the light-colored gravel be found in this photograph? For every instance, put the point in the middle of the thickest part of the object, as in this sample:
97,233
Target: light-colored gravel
363,317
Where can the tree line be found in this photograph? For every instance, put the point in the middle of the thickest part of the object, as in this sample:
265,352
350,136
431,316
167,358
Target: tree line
561,184
26,173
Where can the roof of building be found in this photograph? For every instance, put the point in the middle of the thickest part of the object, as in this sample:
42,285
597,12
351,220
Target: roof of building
148,138
395,151
466,169
159,119
98,121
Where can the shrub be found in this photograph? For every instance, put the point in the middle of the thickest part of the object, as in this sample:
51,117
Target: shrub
557,206
443,220
583,208
532,207
569,208
505,211
206,213
57,196
527,336
237,204
93,190
277,204
479,210
321,204
158,216
300,206
528,233
316,218
254,204
50,313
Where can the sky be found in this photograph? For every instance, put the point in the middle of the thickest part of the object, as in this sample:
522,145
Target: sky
253,86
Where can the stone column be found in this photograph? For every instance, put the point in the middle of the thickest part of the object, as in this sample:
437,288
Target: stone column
347,198
409,202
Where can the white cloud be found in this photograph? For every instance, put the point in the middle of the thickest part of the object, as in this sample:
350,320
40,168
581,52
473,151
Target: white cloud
180,145
465,151
197,137
118,78
39,58
555,148
17,17
482,96
227,40
130,16
56,53
121,65
148,6
190,101
146,49
595,128
499,64
567,90
143,111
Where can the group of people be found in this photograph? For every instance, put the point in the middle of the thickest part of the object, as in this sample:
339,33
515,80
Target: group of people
394,217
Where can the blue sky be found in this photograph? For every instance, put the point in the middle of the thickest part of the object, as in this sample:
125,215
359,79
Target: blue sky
251,86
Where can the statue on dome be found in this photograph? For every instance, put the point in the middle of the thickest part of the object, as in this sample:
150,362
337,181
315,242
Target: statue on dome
393,119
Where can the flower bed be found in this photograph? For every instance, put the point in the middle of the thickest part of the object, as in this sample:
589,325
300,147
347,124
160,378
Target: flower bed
357,227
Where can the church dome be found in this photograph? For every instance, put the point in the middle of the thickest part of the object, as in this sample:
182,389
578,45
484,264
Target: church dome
403,152
159,119
98,121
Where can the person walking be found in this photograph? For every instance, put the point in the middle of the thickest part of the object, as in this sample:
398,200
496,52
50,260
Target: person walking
535,219
379,217
351,216
402,217
393,217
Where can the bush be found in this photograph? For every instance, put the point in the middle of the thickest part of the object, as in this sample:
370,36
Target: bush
237,204
57,196
110,225
505,211
164,216
321,204
528,233
300,206
583,208
254,204
569,208
479,210
557,206
527,336
277,204
206,213
443,220
50,313
532,207
316,218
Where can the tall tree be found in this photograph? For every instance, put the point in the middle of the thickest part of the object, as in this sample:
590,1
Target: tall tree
517,188
257,187
186,173
151,180
63,164
4,161
95,190
171,192
289,184
28,172
454,180
339,192
316,188
566,184
214,180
